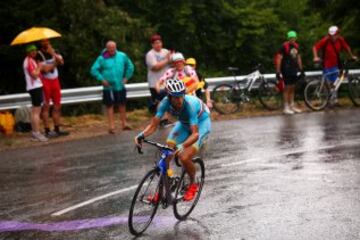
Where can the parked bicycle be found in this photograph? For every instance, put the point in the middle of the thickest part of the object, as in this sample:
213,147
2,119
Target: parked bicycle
319,93
159,187
228,98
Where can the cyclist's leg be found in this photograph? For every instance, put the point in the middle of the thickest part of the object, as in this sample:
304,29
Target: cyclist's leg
331,75
187,154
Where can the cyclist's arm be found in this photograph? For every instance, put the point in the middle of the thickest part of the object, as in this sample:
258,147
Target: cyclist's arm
279,58
151,128
315,53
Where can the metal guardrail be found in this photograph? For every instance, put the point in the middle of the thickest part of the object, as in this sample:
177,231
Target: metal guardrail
135,90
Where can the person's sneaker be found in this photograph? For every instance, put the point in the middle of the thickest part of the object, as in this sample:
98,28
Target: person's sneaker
288,111
38,137
153,198
295,109
51,134
191,192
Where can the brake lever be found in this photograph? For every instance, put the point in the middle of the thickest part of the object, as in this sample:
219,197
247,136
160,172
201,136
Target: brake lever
139,150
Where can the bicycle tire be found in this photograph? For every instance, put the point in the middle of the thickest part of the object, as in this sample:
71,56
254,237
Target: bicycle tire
224,99
270,95
354,90
182,209
134,219
316,95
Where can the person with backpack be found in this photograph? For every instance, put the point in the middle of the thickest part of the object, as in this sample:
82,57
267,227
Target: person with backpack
330,47
288,63
180,71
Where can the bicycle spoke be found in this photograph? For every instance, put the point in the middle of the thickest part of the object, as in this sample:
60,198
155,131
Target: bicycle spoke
145,203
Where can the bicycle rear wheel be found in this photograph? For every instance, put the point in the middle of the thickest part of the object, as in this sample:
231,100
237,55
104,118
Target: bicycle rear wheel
225,100
354,90
145,202
182,209
269,95
316,94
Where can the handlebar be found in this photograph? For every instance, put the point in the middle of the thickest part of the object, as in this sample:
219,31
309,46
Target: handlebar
158,145
236,69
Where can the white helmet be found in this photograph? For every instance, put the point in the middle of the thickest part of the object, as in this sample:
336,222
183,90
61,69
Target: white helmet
175,87
177,57
333,30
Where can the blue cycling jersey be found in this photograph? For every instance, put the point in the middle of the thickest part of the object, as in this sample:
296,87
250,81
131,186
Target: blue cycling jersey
192,112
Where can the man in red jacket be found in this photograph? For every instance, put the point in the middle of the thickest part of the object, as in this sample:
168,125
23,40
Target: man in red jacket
330,47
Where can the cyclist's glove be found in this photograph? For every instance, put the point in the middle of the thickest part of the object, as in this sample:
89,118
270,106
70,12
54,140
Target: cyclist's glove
278,76
140,137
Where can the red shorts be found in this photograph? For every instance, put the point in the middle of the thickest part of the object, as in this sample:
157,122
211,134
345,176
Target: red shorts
52,91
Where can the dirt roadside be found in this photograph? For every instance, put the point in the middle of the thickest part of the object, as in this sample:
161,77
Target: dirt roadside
88,126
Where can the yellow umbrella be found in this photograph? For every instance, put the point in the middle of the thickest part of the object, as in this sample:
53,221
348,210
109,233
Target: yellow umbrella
34,34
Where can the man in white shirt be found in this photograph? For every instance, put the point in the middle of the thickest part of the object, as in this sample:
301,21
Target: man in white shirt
157,62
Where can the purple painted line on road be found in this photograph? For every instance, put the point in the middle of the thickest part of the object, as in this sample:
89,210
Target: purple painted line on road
14,226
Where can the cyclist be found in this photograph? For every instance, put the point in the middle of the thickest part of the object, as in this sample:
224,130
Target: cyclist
189,132
202,85
288,63
180,71
330,47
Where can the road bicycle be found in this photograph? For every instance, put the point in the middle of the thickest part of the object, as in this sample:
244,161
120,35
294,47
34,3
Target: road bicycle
319,93
228,98
161,187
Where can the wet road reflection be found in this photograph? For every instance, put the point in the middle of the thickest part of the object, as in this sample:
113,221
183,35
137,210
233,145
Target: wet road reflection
281,177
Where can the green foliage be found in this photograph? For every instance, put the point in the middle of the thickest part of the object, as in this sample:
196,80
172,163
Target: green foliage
218,33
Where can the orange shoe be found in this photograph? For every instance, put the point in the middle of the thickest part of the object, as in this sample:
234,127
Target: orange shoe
191,192
154,199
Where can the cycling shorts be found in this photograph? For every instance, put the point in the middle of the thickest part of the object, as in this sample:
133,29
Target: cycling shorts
182,131
331,74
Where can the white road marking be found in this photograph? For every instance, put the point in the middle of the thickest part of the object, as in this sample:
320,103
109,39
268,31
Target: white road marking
79,205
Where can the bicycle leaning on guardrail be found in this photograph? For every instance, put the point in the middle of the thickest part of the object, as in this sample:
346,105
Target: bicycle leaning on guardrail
158,187
319,93
228,98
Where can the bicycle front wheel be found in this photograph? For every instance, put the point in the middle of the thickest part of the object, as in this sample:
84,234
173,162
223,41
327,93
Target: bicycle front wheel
269,95
354,90
225,101
316,94
145,202
182,208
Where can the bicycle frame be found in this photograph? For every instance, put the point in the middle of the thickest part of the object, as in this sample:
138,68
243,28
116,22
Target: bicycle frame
250,80
161,165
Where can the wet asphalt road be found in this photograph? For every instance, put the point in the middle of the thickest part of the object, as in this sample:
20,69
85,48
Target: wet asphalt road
282,177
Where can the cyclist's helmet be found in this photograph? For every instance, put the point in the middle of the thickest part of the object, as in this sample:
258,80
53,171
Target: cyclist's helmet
333,30
175,87
291,34
177,57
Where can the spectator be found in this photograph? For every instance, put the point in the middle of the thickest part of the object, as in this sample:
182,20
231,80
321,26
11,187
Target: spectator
34,88
288,63
50,59
157,62
330,47
113,68
203,85
185,73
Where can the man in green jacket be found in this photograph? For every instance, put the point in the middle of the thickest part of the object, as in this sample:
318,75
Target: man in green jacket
113,69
